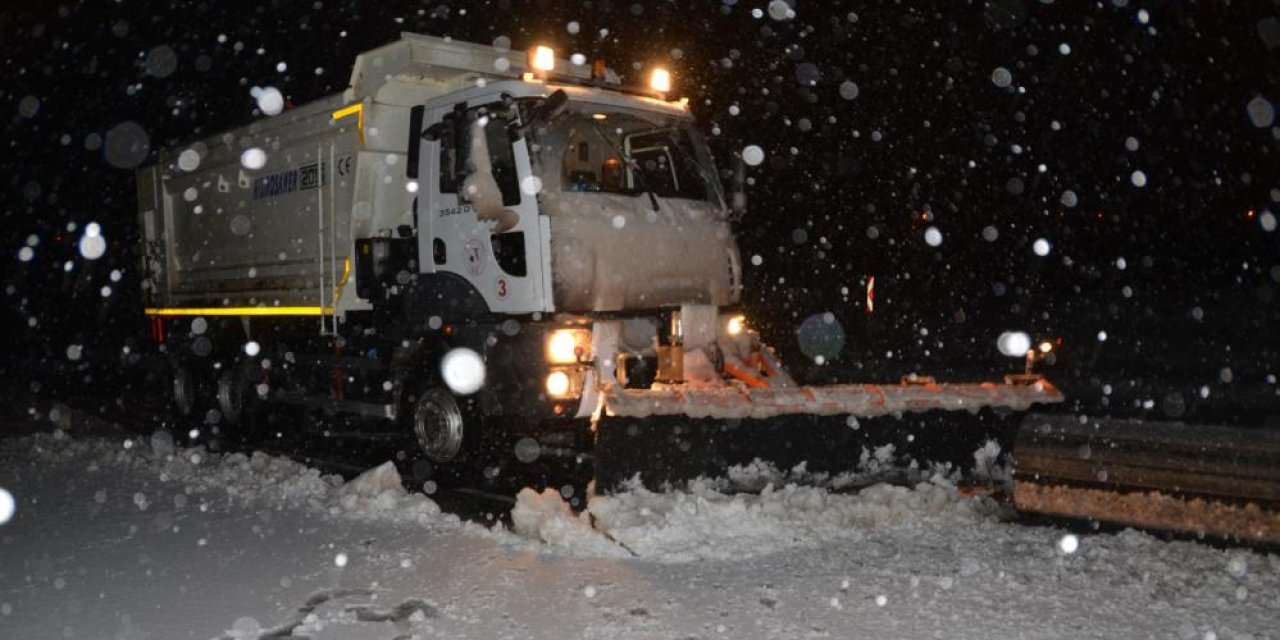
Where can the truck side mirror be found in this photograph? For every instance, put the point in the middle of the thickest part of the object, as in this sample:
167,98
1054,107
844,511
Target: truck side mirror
433,132
480,188
546,111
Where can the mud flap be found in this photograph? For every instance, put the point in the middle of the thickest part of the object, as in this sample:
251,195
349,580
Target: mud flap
1206,480
668,450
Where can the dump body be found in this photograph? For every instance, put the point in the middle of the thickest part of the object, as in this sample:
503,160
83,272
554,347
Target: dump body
275,229
261,215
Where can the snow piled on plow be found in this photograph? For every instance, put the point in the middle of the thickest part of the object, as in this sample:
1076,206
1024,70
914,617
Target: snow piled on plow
701,522
758,509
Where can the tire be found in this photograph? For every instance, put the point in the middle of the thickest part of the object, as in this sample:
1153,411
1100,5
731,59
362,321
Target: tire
439,426
192,397
446,432
237,399
231,395
182,392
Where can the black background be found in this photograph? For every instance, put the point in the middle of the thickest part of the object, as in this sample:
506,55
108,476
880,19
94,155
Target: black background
928,141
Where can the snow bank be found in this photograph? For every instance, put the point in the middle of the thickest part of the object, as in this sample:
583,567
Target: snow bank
236,479
84,560
755,509
703,522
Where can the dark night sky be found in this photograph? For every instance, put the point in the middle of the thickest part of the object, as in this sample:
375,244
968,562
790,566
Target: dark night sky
928,140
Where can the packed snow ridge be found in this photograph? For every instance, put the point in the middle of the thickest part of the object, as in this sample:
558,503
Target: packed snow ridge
237,480
252,546
707,519
755,510
701,522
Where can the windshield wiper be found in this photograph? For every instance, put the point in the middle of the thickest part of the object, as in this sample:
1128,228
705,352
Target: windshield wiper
707,177
635,168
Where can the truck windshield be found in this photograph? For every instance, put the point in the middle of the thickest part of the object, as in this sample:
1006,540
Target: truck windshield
610,150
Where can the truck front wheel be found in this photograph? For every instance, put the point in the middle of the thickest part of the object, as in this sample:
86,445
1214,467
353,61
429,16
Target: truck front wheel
438,425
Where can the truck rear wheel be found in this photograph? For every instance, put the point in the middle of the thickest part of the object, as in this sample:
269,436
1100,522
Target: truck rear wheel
183,391
238,402
193,405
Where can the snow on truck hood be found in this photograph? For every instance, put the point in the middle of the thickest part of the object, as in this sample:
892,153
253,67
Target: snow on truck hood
613,251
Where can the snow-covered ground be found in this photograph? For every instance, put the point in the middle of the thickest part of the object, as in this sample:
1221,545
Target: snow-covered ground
117,536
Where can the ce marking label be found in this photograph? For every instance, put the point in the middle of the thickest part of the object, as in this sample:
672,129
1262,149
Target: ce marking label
345,165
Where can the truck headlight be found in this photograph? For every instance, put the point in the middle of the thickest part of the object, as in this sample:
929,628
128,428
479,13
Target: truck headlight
558,384
735,325
568,346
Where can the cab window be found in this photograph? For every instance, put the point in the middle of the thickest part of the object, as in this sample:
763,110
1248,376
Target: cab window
455,152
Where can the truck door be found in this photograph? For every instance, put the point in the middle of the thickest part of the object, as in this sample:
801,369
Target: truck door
508,267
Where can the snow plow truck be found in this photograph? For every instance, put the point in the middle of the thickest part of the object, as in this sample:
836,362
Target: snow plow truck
471,245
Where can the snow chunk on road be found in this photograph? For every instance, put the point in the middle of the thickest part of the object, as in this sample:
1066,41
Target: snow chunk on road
547,517
380,489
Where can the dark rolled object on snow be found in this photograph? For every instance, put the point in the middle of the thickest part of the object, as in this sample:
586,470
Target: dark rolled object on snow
1216,480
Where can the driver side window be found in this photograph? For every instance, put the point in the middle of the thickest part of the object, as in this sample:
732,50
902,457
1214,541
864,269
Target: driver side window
455,152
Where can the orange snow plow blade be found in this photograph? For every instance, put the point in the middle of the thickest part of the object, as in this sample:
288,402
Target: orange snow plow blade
672,435
858,400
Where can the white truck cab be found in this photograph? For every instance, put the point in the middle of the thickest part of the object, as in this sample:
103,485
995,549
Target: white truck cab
611,203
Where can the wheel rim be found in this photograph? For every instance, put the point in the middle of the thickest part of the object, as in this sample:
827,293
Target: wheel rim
183,394
437,423
230,396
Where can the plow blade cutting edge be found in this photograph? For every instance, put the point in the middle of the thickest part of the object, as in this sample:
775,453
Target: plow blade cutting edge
669,436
